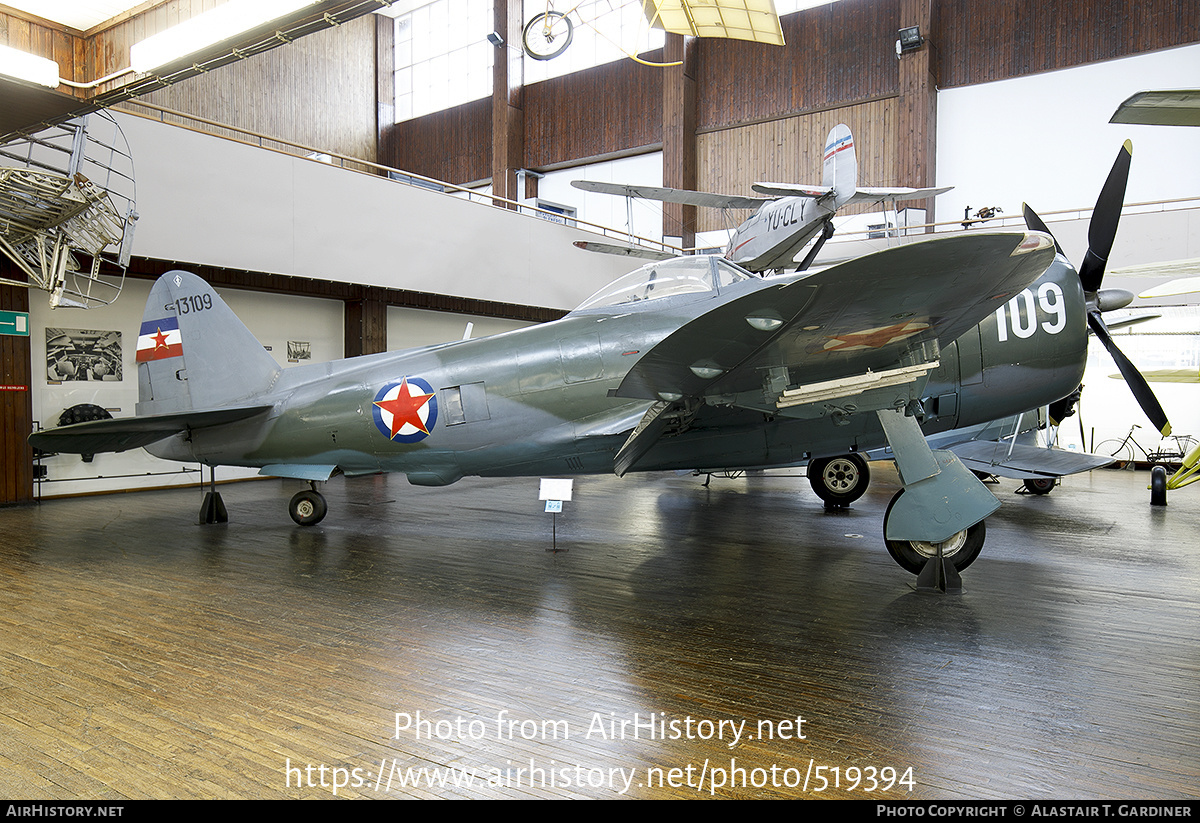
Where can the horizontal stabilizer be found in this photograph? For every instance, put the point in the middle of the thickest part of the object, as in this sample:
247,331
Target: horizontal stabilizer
792,190
1025,462
623,251
666,195
122,434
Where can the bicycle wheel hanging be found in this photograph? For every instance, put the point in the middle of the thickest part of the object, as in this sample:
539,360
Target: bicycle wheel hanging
547,35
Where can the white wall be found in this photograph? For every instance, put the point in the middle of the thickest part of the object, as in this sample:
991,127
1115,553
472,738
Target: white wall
207,200
1046,140
607,209
410,328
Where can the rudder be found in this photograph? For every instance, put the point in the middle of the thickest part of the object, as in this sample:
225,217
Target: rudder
840,170
194,353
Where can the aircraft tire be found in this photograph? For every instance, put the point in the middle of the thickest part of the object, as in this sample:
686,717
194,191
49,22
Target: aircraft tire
1158,486
307,508
961,549
839,481
1039,485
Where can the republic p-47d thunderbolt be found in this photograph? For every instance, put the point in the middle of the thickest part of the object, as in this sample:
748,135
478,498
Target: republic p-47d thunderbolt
690,363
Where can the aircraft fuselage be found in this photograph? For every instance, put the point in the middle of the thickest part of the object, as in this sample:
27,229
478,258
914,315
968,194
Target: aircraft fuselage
539,400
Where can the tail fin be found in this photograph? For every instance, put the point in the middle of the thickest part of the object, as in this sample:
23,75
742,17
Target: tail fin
193,353
841,164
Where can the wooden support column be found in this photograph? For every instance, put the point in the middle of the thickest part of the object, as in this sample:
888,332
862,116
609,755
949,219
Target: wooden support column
508,93
679,135
366,324
16,397
917,125
385,83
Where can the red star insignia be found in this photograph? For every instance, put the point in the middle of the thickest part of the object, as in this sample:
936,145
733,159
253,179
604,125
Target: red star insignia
160,340
405,408
874,338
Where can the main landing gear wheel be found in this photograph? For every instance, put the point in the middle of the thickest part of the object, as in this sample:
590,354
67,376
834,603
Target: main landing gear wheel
839,481
960,549
307,508
547,35
1158,486
1039,485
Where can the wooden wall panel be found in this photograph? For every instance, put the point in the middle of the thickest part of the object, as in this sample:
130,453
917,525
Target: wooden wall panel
835,54
318,91
16,407
605,110
453,145
979,43
791,150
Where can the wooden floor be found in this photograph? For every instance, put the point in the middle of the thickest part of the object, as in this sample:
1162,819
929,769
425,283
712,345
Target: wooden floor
144,656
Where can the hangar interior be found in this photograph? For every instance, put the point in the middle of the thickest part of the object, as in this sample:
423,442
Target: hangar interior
341,207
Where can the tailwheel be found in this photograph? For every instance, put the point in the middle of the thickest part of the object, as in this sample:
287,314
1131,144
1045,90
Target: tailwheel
307,508
1039,485
960,548
839,481
1158,486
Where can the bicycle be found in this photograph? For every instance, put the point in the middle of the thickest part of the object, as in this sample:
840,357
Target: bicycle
548,33
1171,450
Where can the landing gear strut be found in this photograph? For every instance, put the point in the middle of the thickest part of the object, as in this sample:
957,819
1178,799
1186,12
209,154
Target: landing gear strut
212,510
308,508
934,525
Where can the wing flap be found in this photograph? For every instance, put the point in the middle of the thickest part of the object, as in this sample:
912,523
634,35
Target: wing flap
124,433
873,313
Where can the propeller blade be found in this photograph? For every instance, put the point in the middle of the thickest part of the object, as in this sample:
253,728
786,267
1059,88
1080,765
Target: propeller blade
1034,223
1133,378
1103,227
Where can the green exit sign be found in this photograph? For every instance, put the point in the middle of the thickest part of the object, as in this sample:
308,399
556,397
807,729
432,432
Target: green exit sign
15,323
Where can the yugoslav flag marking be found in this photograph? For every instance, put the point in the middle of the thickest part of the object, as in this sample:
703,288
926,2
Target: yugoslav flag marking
159,339
405,412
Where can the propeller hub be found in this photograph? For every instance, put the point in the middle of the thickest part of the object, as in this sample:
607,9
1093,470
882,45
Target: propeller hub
1111,299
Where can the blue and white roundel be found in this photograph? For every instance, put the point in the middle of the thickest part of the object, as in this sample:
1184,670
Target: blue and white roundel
405,412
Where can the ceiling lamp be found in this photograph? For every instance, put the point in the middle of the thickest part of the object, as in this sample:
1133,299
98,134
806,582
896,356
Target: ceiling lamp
754,20
20,65
207,29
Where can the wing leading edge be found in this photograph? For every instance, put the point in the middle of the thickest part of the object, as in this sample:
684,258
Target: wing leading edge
873,314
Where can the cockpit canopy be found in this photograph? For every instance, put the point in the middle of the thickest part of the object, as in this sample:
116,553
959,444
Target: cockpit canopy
667,278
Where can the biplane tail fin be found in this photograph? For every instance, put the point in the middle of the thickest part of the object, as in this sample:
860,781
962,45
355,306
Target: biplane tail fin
841,165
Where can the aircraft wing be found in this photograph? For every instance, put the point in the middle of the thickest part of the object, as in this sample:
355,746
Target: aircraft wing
1025,462
124,433
665,195
1175,107
623,251
851,321
866,194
